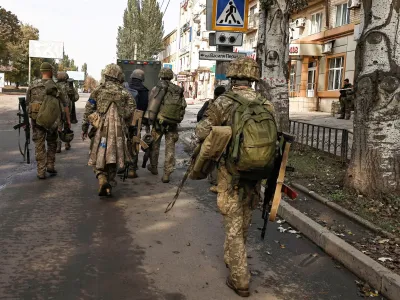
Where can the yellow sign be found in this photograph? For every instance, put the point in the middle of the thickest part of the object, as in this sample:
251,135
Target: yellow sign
230,15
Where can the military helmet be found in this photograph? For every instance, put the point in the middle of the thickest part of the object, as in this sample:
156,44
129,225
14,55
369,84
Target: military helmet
62,76
114,71
166,73
67,135
46,67
138,74
244,68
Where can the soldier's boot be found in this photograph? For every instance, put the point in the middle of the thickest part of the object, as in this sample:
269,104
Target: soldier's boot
67,146
152,169
214,189
51,169
341,117
240,292
104,186
348,115
165,178
41,175
132,174
58,150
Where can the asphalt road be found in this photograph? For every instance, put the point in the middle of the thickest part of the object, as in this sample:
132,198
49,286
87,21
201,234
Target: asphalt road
58,240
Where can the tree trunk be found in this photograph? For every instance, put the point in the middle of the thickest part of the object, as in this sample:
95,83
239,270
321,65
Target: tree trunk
375,163
273,57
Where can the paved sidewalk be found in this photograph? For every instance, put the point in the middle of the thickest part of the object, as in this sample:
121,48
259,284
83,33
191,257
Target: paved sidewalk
322,119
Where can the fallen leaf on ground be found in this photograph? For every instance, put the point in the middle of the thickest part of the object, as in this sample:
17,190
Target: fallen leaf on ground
280,221
383,259
281,229
383,241
293,231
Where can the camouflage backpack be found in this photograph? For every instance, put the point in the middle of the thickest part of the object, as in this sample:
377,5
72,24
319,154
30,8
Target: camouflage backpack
252,149
173,106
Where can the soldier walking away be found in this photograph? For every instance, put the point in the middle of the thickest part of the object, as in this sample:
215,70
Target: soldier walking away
73,97
34,99
346,99
109,110
165,111
63,87
141,96
240,169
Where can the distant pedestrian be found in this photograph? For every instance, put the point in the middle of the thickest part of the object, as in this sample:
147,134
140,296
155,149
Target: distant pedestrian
346,100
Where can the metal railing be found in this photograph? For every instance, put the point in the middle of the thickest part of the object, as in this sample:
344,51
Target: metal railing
328,139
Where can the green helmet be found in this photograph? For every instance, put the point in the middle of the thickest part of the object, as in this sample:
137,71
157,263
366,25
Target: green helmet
244,68
46,67
138,74
62,76
67,135
114,71
166,73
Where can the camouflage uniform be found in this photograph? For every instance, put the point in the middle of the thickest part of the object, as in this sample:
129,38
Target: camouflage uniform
45,159
346,101
73,97
161,128
236,197
62,86
99,101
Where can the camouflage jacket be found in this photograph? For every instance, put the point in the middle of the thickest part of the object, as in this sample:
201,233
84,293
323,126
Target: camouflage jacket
36,92
220,111
63,88
72,93
101,98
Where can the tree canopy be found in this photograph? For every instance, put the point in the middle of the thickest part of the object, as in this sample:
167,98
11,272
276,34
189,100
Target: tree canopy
142,30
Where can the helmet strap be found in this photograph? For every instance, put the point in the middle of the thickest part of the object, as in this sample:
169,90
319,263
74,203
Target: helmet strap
240,82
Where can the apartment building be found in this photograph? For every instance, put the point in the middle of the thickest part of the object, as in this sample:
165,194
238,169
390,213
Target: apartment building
322,52
250,37
168,56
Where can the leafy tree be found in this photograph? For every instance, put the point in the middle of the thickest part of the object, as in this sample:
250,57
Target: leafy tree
67,64
10,31
84,69
19,55
142,30
90,83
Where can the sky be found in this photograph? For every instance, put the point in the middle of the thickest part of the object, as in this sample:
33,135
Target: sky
88,28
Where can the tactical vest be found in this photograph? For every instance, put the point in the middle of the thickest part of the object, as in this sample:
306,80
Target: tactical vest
107,95
173,106
36,98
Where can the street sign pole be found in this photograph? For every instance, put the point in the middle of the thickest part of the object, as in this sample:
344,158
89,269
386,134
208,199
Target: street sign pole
222,66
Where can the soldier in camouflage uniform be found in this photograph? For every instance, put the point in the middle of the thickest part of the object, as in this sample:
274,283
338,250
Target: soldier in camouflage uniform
62,86
73,97
235,196
34,98
161,128
101,101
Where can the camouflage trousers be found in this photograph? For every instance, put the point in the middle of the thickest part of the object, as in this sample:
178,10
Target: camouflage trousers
44,158
171,137
110,172
345,107
236,205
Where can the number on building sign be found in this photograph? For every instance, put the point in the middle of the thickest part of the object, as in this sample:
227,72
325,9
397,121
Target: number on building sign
294,50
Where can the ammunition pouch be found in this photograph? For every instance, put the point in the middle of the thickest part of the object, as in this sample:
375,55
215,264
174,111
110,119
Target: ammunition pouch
34,109
211,151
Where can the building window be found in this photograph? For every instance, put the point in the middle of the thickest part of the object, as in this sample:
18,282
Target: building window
316,23
335,73
342,15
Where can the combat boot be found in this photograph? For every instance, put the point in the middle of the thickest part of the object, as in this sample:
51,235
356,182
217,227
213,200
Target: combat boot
348,115
132,174
51,170
152,169
67,146
104,186
240,292
165,178
41,176
58,150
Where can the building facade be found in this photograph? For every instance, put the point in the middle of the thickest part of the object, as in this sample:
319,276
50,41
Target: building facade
322,51
168,56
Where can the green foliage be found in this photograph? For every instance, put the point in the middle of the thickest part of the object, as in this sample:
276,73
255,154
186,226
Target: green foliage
141,32
10,31
84,69
67,64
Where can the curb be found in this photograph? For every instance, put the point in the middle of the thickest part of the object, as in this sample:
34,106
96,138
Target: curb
379,277
342,210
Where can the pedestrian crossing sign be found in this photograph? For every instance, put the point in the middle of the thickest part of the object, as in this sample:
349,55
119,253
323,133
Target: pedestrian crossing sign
230,15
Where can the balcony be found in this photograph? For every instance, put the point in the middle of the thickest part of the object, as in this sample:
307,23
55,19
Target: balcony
204,35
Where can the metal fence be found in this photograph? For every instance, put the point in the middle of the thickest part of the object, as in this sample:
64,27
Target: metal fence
328,139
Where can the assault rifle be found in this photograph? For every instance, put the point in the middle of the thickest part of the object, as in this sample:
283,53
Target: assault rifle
275,185
23,122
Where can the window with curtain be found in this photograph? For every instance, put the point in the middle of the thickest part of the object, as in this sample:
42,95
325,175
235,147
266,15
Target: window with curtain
335,73
342,15
316,23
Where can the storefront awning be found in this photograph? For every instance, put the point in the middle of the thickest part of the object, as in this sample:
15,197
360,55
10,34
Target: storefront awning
305,50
